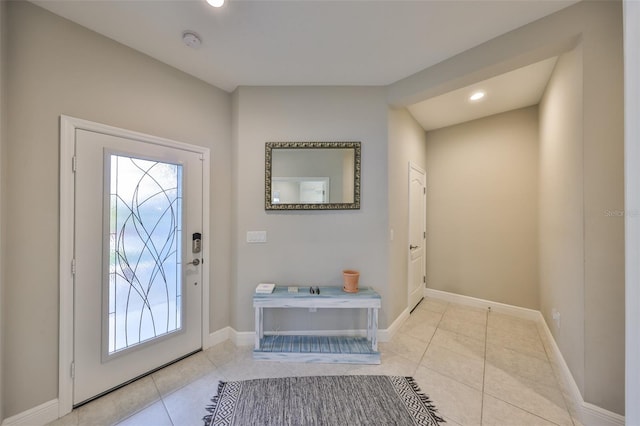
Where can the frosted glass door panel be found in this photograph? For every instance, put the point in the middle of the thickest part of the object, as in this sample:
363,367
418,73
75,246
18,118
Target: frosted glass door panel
145,285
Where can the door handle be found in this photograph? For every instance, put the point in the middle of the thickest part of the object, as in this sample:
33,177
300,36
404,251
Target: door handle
411,247
194,262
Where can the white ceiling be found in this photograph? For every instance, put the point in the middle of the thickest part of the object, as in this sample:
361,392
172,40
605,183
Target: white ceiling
303,42
516,89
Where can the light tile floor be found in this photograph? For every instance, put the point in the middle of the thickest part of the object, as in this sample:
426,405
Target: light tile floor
478,367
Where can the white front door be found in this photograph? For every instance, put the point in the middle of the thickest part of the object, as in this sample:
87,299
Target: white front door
137,299
417,233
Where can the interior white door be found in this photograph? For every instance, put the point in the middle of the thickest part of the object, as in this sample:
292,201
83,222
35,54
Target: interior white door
314,191
417,234
137,299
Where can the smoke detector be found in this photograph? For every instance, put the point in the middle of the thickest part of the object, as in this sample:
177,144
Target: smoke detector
191,39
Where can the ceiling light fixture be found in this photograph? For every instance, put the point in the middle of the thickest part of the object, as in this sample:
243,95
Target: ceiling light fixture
191,39
476,96
216,3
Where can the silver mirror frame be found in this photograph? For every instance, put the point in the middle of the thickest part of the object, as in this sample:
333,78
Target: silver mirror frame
269,146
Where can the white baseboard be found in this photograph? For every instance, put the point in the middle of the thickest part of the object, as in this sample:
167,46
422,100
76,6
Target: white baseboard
242,338
565,373
387,334
502,308
36,416
589,414
217,337
594,415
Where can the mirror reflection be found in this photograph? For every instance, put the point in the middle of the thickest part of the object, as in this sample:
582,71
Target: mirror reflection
312,175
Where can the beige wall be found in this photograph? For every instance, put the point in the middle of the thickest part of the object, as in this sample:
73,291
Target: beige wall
3,128
582,199
406,144
603,139
598,26
56,67
482,208
562,209
308,247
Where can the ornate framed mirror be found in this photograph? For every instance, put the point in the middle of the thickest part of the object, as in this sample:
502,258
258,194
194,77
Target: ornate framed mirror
312,175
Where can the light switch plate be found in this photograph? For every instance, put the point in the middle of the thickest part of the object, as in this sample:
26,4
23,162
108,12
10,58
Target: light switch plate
256,236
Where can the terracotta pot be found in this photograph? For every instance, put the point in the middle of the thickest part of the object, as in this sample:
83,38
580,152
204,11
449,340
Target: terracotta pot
350,280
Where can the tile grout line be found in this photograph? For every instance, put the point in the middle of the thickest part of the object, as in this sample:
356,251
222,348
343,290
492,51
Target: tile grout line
141,408
428,343
162,397
431,339
548,360
166,410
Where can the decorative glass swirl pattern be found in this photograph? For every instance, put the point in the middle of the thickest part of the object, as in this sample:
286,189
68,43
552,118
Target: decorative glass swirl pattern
145,285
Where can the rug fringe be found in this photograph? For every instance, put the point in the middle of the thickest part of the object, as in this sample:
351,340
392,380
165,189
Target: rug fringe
214,405
425,399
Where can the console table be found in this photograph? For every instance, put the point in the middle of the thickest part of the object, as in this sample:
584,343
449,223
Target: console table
313,348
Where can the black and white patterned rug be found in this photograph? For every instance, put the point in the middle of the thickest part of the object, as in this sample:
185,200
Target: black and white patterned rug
322,400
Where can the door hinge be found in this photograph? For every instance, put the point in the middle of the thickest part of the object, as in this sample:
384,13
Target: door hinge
74,163
424,234
424,279
72,370
424,190
73,266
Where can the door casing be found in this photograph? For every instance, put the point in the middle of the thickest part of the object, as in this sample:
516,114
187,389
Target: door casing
68,127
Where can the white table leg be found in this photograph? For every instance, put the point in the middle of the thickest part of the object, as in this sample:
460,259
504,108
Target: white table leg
374,330
261,323
257,328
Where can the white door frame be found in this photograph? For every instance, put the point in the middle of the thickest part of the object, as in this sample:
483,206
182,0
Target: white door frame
631,14
68,127
424,201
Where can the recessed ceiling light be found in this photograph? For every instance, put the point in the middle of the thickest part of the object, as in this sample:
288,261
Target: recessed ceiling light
216,3
476,96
